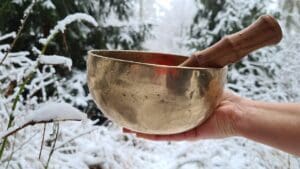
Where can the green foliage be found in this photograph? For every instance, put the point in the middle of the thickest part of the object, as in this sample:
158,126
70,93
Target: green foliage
214,19
77,39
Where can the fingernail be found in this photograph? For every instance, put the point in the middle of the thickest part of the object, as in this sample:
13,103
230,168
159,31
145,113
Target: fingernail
125,130
145,136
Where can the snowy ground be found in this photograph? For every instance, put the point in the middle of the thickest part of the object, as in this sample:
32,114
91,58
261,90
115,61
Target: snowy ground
83,145
233,153
109,148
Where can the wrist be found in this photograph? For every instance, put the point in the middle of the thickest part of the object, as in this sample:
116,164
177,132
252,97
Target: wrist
246,109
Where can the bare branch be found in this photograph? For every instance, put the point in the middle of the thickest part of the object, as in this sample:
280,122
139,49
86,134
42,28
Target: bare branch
20,147
73,138
42,143
53,146
11,131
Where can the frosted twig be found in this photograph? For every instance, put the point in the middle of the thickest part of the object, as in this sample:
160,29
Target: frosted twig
14,130
73,138
42,142
11,116
21,146
12,153
62,24
24,143
53,147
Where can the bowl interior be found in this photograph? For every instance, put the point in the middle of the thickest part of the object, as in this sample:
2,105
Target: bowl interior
141,57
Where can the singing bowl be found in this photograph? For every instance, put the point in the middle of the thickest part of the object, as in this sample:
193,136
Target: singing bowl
147,92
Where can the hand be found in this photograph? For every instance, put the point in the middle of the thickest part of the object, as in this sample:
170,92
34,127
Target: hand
222,123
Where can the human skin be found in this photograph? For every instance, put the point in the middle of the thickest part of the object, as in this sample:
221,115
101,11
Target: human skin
274,124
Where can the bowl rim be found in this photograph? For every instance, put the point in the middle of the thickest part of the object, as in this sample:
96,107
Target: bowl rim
91,53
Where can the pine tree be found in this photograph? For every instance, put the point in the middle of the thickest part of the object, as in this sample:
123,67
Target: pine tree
253,76
214,19
113,32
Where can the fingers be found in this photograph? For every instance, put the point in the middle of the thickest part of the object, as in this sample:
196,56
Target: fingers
188,135
153,136
125,130
171,137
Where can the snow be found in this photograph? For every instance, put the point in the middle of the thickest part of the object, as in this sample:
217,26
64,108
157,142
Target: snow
112,149
53,111
48,4
4,47
16,57
9,35
36,51
55,60
44,41
18,1
61,25
18,54
76,83
29,9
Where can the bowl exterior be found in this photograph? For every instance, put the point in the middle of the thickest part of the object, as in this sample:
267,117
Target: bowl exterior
151,98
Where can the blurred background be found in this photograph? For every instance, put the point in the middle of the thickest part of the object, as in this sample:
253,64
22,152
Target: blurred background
31,30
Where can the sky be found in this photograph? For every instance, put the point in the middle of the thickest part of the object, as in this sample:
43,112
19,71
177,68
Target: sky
164,3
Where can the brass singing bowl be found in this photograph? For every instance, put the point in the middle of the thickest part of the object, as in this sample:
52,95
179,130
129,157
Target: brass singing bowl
147,92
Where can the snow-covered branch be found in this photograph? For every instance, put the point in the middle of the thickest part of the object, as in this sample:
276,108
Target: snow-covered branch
55,60
48,113
61,25
9,35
